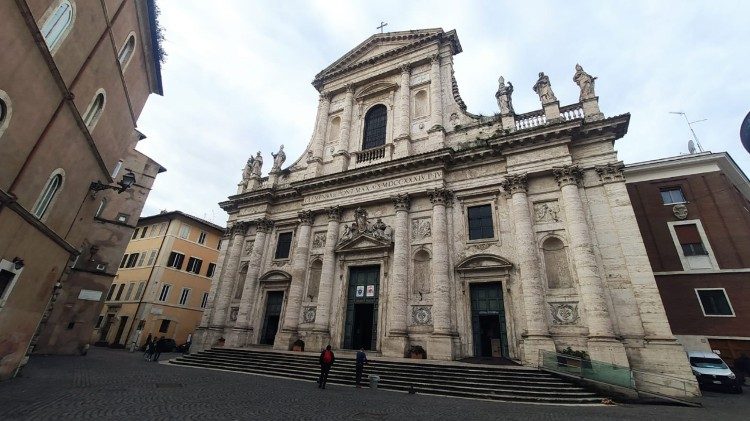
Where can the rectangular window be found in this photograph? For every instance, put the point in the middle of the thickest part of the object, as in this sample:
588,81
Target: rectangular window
672,195
143,232
184,231
283,244
211,269
132,260
6,278
175,260
151,258
99,322
714,302
130,291
111,291
184,296
139,291
135,234
164,292
218,245
124,260
204,300
202,238
141,258
119,292
164,327
690,240
194,265
480,222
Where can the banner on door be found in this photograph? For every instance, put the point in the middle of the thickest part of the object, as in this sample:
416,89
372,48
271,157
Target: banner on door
360,291
371,290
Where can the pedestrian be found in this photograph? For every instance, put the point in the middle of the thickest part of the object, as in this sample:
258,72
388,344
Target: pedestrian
742,367
149,340
360,365
158,348
150,348
326,361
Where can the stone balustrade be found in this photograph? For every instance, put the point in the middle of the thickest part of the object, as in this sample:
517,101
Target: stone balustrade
572,112
531,119
374,154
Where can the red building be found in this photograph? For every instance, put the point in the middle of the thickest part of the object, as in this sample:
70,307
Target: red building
694,214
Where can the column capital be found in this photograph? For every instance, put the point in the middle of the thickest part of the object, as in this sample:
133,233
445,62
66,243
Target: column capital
325,97
567,175
440,196
239,228
515,183
611,173
435,58
306,217
350,88
264,225
406,68
401,202
334,213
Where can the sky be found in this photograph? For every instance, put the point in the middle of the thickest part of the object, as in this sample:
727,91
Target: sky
237,78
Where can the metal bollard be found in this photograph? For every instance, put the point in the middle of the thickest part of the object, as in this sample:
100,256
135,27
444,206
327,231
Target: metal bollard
374,381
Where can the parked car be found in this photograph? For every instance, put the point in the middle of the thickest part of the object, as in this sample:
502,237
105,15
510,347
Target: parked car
712,372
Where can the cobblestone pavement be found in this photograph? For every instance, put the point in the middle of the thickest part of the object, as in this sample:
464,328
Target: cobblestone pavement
117,385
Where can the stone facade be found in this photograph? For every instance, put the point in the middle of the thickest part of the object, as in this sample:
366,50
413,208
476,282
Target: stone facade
403,211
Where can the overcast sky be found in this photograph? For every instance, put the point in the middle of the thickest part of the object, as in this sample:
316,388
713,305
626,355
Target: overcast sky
237,76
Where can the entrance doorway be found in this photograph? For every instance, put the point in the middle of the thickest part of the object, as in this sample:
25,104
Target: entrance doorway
360,330
271,320
488,320
120,329
105,328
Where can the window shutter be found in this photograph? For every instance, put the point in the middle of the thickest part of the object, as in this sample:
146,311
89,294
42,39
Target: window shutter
687,234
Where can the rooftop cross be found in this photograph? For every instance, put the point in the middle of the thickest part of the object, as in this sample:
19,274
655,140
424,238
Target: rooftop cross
382,25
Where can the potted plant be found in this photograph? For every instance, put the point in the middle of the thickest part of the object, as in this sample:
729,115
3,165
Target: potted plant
572,358
298,345
417,352
220,342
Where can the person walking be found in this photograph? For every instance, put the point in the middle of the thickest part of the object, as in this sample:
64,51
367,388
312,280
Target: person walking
158,348
360,365
147,348
326,361
742,367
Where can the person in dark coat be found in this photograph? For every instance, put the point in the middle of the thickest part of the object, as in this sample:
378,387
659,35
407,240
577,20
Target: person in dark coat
326,361
742,367
148,347
360,365
158,349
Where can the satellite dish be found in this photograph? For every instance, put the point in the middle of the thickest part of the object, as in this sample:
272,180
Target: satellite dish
745,132
691,146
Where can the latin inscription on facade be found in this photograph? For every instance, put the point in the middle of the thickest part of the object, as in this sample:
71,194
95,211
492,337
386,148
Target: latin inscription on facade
380,186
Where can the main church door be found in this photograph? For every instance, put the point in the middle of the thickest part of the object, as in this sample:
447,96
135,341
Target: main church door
488,320
271,319
360,330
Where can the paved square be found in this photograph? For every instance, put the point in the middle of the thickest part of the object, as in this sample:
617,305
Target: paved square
115,384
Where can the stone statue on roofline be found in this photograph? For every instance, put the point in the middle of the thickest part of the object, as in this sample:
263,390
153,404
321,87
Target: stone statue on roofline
247,172
543,88
278,159
584,81
257,164
503,96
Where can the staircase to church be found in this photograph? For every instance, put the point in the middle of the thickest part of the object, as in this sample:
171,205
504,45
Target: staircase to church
502,383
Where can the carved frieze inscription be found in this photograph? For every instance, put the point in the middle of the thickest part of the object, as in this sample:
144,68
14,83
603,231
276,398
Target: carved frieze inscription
421,229
380,186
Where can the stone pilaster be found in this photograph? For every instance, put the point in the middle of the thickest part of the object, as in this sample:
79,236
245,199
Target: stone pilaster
242,328
288,333
229,274
323,312
536,336
398,288
602,343
206,335
436,132
341,157
316,158
402,140
440,343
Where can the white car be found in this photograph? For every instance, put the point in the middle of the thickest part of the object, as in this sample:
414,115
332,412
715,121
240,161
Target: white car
712,371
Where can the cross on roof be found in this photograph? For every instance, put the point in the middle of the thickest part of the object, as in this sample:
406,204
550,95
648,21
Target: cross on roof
382,25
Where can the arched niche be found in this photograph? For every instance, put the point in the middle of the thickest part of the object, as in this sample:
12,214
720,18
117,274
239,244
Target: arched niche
556,266
313,282
422,271
241,275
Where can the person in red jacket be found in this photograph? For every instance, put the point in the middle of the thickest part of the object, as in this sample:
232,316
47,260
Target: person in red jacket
326,361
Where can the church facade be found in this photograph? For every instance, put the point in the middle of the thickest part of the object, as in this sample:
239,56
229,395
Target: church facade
412,225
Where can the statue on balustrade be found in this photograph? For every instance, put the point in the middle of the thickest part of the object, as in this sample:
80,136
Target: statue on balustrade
543,88
257,164
503,96
584,81
247,172
278,159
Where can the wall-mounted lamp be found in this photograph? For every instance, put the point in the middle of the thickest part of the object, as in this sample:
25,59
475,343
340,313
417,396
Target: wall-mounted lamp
128,179
18,263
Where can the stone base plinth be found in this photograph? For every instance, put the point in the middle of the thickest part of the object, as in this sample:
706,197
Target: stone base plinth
440,347
508,122
531,347
662,366
591,109
436,137
205,338
402,146
341,161
284,340
394,346
608,350
239,337
552,111
315,340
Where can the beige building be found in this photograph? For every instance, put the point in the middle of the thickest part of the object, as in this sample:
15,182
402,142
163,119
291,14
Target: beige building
409,221
162,285
74,77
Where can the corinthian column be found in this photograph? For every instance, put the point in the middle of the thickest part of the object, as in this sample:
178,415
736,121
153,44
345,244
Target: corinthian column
440,340
323,312
242,328
206,335
537,333
288,332
436,94
398,284
404,112
341,158
228,274
321,128
602,345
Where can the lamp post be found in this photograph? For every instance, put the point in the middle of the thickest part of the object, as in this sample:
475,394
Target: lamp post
128,179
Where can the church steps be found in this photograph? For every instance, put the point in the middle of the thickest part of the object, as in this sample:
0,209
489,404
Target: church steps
524,385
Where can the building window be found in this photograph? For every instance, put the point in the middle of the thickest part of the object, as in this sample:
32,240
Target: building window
692,245
119,292
211,269
164,327
672,195
48,195
5,111
175,260
204,300
690,240
8,277
129,294
126,52
111,291
100,209
164,292
99,322
135,233
184,231
714,302
184,296
283,244
375,124
480,222
132,260
124,260
91,117
143,232
151,258
141,258
218,245
57,25
194,265
202,238
139,291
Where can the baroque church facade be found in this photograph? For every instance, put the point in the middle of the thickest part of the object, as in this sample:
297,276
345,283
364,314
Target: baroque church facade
409,221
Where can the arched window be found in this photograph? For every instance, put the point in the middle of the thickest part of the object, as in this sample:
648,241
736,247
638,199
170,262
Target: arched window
5,111
556,264
420,104
126,51
100,209
335,132
241,282
313,284
375,122
422,272
48,194
91,117
58,24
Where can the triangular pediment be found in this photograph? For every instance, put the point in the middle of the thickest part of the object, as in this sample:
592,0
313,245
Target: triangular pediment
363,242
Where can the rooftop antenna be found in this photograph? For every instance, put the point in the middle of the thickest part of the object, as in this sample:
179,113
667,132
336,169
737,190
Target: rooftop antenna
691,146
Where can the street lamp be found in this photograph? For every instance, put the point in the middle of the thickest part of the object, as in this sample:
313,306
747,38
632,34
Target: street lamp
128,179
